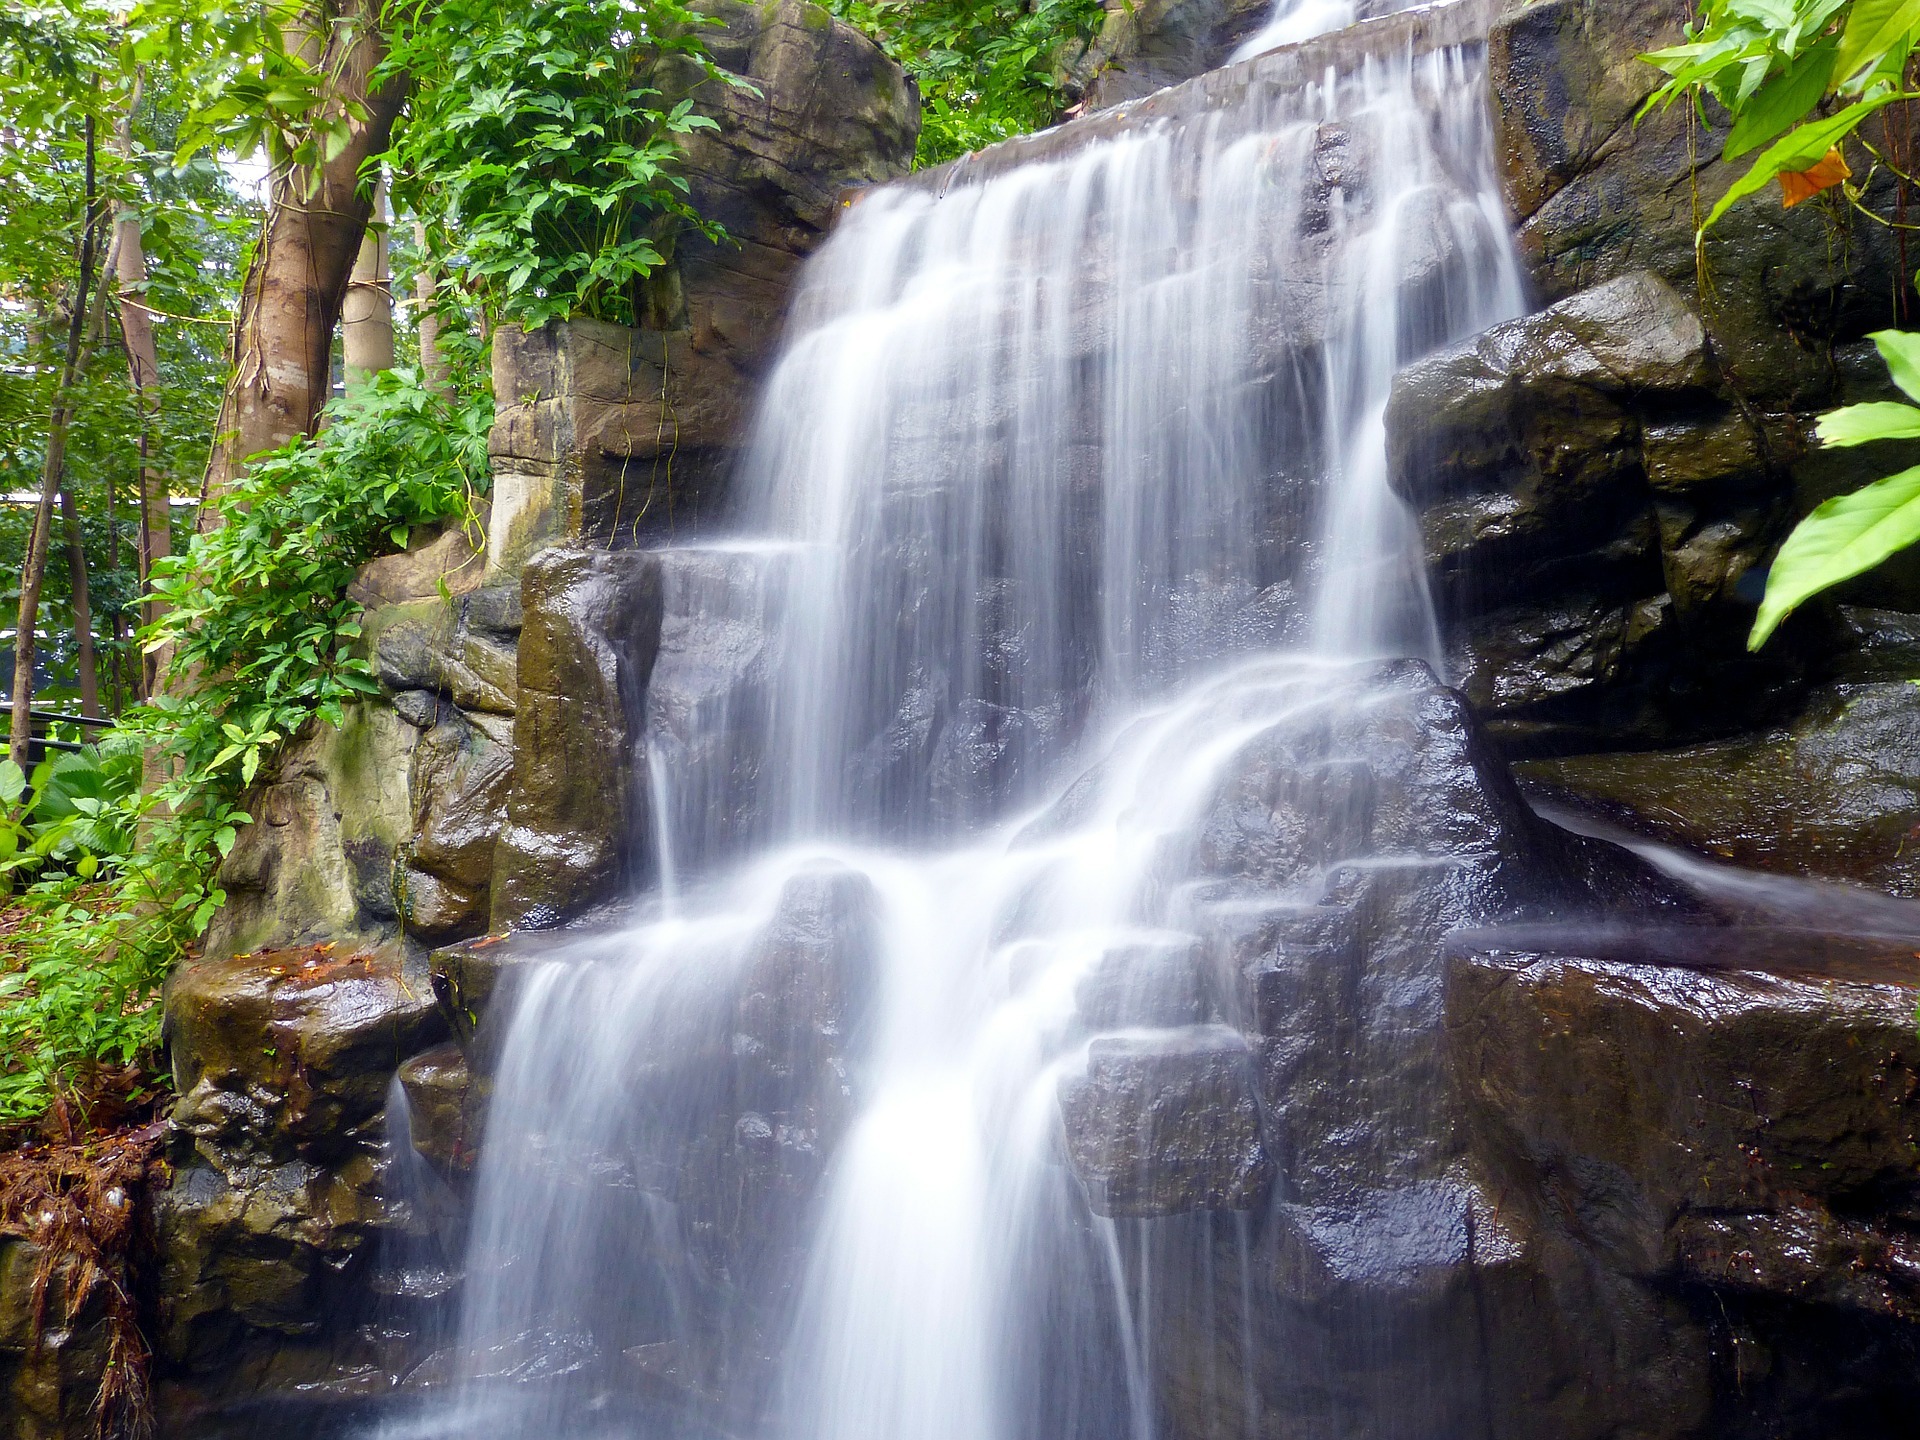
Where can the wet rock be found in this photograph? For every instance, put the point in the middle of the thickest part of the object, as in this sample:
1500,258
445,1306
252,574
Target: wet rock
53,1352
1598,512
1158,982
1144,46
448,1108
1835,795
1522,447
1704,1165
1166,1123
707,712
606,434
290,1051
461,780
576,813
468,978
252,1255
317,864
1340,848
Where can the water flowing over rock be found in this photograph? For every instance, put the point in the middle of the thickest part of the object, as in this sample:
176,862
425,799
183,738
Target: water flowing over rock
1015,933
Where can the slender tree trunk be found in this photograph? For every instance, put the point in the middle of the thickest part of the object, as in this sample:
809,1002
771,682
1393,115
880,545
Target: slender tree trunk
435,371
290,303
143,377
82,603
366,315
85,315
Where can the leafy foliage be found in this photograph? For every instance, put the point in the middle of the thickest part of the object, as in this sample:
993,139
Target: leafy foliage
1850,534
987,69
541,150
262,639
1797,76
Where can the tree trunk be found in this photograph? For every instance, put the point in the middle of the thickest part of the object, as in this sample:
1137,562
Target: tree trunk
82,602
143,376
366,315
290,303
82,325
435,372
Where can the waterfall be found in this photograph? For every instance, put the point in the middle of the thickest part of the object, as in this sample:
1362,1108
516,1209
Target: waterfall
1067,494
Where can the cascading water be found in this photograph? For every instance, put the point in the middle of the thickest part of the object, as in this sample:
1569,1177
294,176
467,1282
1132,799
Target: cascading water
1067,495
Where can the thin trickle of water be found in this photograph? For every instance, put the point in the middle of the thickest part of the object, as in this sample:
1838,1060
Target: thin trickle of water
1074,489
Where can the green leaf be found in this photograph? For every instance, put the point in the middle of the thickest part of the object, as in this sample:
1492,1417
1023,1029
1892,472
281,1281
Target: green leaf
13,782
1844,537
1901,351
1783,101
1861,424
1799,150
1873,28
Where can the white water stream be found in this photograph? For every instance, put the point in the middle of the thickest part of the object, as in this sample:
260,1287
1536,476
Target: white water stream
1069,484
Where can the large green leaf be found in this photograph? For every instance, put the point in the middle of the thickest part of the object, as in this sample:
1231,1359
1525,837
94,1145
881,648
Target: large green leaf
1847,535
1862,424
1782,102
1901,350
1873,28
1798,150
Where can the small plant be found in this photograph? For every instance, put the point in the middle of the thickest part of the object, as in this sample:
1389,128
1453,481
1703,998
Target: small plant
542,151
1850,534
1798,77
123,881
986,71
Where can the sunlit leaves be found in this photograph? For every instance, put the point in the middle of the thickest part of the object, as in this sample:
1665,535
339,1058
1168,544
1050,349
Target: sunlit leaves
1850,534
543,151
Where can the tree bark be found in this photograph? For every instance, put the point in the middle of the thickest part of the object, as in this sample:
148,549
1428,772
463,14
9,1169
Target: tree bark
88,311
366,315
291,300
82,603
143,377
435,371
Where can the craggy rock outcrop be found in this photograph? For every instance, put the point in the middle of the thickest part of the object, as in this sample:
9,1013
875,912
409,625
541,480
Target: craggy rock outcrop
1602,538
605,434
1598,512
1835,795
268,1230
317,864
1711,1179
591,628
1146,45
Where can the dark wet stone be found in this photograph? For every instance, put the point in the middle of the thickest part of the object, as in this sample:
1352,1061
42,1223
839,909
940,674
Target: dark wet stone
447,1107
576,812
1704,1167
1836,795
290,1051
1164,1123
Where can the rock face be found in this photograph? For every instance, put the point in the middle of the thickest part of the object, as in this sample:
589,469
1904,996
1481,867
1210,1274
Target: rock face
1709,1178
605,435
1836,795
1598,513
1305,1138
268,1230
1600,525
592,627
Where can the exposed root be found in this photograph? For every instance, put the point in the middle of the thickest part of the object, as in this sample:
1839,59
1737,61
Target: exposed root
82,1203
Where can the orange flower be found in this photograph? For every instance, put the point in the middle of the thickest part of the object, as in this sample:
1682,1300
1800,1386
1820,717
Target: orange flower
1798,185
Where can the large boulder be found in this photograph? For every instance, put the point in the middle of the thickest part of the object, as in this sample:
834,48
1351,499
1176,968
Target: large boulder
1598,510
1708,1177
